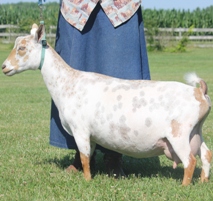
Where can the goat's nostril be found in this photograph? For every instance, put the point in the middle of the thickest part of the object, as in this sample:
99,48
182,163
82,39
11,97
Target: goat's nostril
3,66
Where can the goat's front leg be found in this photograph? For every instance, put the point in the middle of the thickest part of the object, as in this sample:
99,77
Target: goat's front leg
206,157
86,149
85,161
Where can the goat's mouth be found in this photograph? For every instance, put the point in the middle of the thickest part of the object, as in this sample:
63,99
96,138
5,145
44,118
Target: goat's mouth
6,71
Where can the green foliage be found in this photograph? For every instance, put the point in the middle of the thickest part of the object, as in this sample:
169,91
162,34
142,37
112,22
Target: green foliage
181,47
31,169
25,14
152,32
182,44
155,19
199,18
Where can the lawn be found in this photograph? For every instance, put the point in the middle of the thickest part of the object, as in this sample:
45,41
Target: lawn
31,169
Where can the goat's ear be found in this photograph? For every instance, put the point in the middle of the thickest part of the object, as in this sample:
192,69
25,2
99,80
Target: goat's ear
34,29
39,33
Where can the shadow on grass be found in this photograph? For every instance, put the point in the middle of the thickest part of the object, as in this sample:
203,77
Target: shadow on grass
151,167
146,167
177,174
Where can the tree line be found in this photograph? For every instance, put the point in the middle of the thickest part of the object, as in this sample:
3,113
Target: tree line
198,18
25,14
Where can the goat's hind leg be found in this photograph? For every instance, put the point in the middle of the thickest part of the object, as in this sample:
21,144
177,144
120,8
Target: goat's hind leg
206,157
182,148
189,170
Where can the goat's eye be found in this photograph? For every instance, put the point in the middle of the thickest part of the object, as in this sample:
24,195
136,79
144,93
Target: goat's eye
21,48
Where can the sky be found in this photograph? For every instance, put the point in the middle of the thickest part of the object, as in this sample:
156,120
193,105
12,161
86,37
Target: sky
158,4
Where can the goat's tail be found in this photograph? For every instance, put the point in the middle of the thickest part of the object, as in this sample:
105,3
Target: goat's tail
193,79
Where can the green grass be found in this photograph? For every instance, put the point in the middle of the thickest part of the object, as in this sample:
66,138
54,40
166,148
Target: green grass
30,169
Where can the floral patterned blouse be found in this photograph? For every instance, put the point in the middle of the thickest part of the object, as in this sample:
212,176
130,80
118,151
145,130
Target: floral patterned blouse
77,12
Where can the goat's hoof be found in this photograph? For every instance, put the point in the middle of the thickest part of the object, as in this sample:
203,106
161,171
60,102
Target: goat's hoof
204,180
71,169
186,182
87,177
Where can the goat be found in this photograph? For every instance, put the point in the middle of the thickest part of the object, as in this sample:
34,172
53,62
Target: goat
138,118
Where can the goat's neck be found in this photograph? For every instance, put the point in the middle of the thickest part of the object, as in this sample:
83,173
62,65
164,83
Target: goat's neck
57,75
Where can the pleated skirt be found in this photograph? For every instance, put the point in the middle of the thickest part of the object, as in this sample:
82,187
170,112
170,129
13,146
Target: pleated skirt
119,52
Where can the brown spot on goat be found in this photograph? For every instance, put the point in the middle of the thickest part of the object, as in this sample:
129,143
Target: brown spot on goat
204,105
24,42
175,128
209,156
203,87
12,59
203,177
26,58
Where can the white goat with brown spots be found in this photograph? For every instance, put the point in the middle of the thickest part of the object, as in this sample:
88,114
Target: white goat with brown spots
137,118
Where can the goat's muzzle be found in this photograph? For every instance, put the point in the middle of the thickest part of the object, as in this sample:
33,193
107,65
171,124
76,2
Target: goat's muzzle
3,66
5,70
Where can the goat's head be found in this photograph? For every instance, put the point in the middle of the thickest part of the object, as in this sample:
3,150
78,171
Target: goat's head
26,53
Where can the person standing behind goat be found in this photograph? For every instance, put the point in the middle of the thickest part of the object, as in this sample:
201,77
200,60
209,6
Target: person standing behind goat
106,37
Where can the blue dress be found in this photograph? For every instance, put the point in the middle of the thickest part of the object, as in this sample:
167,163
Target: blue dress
119,52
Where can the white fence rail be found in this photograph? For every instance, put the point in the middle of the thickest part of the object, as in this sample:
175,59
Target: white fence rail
181,31
10,33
